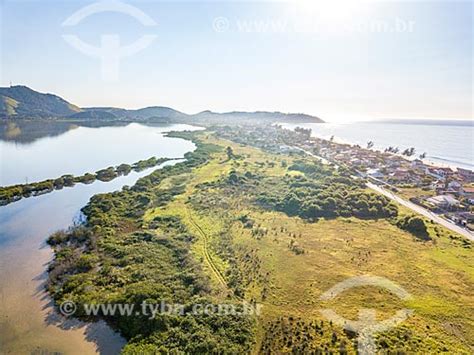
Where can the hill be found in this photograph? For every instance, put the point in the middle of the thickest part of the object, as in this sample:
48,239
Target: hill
93,115
249,117
23,102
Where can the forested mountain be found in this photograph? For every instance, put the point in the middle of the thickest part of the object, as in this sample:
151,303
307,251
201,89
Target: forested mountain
23,102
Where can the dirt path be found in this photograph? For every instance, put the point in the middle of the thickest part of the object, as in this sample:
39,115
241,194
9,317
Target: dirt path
207,256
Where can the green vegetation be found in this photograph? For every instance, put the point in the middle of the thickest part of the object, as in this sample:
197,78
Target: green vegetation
119,258
25,103
124,169
322,192
106,174
235,222
9,194
414,225
86,178
22,101
145,164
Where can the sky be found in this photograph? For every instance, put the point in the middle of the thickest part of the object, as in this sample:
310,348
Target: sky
339,60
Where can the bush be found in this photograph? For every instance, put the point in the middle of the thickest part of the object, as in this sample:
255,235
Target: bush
415,225
106,174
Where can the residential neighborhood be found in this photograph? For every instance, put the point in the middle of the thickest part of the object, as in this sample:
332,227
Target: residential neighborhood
442,190
446,191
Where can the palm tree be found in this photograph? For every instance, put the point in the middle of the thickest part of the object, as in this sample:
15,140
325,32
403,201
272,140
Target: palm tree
422,156
409,152
370,144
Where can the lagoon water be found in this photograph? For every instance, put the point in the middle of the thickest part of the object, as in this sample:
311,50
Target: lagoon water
445,142
29,323
81,149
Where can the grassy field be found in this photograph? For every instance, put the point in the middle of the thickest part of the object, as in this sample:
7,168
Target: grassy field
410,192
439,274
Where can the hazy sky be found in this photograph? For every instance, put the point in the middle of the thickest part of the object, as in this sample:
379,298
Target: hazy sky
336,60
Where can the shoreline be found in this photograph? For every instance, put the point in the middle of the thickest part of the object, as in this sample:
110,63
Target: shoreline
15,193
433,162
25,248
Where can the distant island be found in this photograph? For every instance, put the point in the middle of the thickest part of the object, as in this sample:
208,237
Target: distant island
21,102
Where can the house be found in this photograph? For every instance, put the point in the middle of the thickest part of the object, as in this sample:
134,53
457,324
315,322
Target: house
467,191
443,201
433,173
454,185
288,149
418,164
466,174
464,218
393,161
467,216
437,185
439,173
375,173
400,175
356,161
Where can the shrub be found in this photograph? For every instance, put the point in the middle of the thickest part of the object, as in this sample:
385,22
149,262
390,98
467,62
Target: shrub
415,225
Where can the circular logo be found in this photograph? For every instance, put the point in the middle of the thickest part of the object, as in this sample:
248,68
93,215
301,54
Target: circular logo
221,24
367,325
67,308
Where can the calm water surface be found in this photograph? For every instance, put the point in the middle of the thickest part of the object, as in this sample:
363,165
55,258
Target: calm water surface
28,321
79,150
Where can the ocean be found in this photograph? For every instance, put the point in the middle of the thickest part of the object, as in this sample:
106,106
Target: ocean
445,142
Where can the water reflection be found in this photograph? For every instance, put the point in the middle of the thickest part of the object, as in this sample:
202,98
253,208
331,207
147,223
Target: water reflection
36,151
28,322
27,132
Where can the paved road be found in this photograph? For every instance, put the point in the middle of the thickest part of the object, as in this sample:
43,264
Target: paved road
422,211
408,204
321,159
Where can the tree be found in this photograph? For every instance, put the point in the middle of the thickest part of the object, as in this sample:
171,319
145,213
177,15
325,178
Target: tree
303,131
230,153
370,144
409,152
393,150
423,156
414,225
